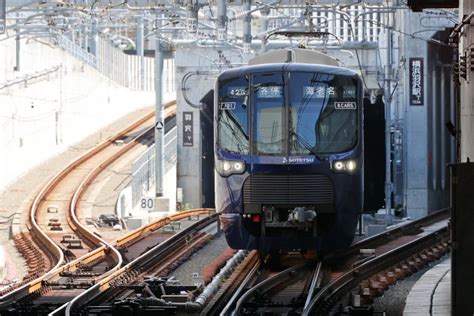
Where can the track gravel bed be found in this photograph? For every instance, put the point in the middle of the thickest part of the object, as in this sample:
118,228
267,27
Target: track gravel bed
186,273
393,300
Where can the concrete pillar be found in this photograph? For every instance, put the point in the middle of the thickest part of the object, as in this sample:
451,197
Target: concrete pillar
416,126
188,115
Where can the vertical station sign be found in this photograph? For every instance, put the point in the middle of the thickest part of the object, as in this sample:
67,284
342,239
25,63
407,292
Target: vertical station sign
417,89
188,129
2,16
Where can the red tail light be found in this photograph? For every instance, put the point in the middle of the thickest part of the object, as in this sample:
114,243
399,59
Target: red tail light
255,218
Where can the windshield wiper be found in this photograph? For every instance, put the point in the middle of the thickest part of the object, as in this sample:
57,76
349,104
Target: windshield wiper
302,143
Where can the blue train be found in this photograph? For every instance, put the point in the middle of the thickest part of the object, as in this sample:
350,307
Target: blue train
289,152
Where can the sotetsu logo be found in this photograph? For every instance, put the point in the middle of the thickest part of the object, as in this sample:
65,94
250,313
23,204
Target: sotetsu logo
297,160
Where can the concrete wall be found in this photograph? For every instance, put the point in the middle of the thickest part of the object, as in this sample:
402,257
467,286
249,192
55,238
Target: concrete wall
43,118
427,145
189,158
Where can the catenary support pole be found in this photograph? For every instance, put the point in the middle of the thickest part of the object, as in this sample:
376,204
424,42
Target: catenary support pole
263,28
221,20
159,118
140,39
388,123
247,29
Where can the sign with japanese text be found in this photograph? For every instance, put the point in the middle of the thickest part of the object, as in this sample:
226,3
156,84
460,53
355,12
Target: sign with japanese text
416,75
188,129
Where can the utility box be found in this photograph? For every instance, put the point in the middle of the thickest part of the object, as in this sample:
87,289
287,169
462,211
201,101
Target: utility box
462,219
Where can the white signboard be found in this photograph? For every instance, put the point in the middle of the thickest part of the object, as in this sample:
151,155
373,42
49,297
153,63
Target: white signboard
147,203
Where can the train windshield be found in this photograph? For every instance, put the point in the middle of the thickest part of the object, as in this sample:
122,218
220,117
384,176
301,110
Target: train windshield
233,118
323,113
295,113
269,114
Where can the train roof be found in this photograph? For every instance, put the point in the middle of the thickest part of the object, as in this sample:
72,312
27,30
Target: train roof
276,67
295,59
296,55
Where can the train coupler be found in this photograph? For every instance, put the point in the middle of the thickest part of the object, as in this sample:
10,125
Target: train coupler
301,215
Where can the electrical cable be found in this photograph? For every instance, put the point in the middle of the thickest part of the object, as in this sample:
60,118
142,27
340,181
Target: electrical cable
184,80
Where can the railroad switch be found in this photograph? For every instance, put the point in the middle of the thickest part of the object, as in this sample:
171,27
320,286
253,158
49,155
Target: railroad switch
164,289
78,274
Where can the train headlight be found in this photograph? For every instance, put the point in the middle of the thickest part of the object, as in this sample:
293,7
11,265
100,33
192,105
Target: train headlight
348,166
339,165
228,167
351,165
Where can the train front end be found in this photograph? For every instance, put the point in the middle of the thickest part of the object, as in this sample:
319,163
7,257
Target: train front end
288,156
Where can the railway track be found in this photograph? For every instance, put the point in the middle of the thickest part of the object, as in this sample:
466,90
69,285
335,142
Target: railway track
142,273
56,274
353,277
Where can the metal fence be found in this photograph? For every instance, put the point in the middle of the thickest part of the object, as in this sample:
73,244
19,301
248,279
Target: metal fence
131,71
143,168
359,23
134,72
76,51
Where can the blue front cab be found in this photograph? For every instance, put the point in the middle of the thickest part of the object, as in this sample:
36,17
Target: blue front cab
339,223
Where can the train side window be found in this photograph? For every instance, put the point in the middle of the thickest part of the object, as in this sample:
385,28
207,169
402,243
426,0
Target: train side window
233,135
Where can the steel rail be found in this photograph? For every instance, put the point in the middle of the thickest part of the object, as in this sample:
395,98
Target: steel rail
332,292
154,254
315,282
233,300
278,278
130,238
52,248
372,242
396,231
